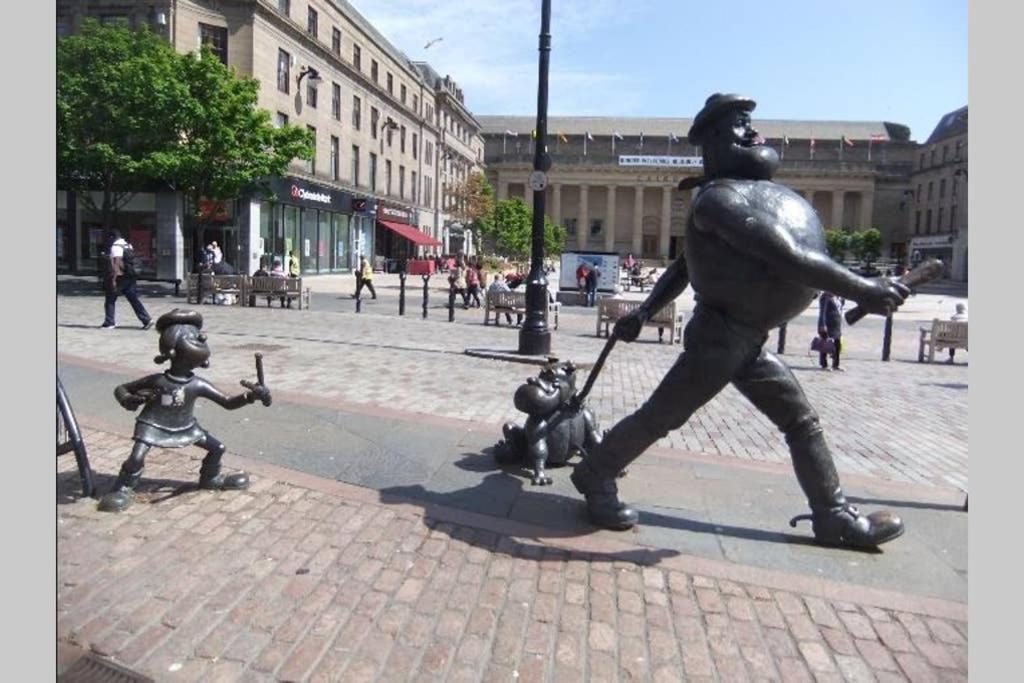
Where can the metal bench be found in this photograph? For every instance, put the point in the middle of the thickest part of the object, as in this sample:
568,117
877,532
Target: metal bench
207,286
943,334
609,310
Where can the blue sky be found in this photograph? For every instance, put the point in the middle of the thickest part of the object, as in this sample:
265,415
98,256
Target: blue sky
865,60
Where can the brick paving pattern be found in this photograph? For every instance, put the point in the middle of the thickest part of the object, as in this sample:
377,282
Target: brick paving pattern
288,582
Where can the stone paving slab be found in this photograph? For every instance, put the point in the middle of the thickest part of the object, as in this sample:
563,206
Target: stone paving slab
899,420
301,578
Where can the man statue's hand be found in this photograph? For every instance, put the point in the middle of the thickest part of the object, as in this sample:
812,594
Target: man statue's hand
884,296
627,328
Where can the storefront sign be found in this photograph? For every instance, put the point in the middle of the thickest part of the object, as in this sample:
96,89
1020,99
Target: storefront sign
932,242
310,195
396,214
641,160
302,193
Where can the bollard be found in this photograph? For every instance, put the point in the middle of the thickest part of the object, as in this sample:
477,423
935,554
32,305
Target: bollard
887,337
782,339
426,295
401,294
359,304
451,304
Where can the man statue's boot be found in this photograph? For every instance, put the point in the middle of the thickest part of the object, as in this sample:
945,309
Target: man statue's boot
602,496
120,496
834,521
211,478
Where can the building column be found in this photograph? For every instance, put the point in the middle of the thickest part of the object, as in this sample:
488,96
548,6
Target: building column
609,227
867,202
170,235
502,190
556,203
837,209
583,222
666,213
638,221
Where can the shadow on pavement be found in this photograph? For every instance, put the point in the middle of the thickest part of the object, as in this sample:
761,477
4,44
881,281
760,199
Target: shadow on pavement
149,491
859,500
90,286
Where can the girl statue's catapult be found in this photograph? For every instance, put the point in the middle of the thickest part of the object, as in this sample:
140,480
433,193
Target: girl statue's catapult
168,400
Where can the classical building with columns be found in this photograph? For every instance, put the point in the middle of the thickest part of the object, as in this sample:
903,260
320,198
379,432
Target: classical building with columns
613,181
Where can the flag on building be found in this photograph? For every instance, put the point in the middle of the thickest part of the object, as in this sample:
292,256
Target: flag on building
785,144
586,136
615,135
511,134
875,137
812,148
672,137
562,137
641,145
847,141
505,137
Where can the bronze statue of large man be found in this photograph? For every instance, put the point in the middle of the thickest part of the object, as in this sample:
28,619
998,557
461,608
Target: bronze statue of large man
755,255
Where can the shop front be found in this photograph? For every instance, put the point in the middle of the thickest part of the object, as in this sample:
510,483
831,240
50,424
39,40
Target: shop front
398,238
324,227
81,232
933,246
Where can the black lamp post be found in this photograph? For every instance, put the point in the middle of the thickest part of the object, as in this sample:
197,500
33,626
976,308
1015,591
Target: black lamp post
535,337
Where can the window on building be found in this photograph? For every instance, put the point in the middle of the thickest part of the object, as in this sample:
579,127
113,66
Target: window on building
114,20
931,157
416,104
387,176
284,7
428,191
928,222
401,139
391,83
412,185
215,38
311,22
312,162
945,153
917,222
282,119
428,152
429,108
959,154
357,57
335,165
570,225
952,217
938,223
401,182
402,92
931,186
415,146
374,120
357,112
336,101
374,70
373,172
918,195
942,188
955,188
336,41
284,65
921,165
596,226
311,92
390,133
355,165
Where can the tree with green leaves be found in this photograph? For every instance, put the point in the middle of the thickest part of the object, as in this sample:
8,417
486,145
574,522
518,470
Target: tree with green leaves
869,247
473,203
512,230
836,243
117,105
133,114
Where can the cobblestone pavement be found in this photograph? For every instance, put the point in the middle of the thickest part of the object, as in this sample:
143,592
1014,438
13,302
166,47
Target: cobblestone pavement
301,578
899,420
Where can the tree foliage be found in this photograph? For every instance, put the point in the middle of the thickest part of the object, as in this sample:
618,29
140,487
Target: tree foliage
836,243
473,200
512,230
133,114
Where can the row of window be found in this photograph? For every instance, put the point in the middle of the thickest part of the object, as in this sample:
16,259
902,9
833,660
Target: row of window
938,224
942,190
312,28
958,155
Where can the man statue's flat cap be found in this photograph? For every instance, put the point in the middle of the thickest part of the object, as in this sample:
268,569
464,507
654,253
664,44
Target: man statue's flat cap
715,106
179,317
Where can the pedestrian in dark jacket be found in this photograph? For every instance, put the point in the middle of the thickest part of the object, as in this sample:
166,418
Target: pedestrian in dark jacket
119,279
830,326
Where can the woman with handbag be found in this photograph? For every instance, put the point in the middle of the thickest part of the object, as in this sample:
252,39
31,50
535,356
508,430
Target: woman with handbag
830,330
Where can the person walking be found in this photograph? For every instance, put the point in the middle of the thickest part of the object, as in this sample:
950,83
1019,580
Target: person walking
473,285
365,278
593,275
830,326
118,273
294,269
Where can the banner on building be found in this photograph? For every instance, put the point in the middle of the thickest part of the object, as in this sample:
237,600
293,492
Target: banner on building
648,160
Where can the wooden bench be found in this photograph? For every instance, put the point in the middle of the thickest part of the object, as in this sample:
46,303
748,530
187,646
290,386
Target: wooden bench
609,310
943,334
513,303
284,289
214,286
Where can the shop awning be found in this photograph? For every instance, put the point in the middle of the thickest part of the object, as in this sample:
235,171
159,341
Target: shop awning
410,233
